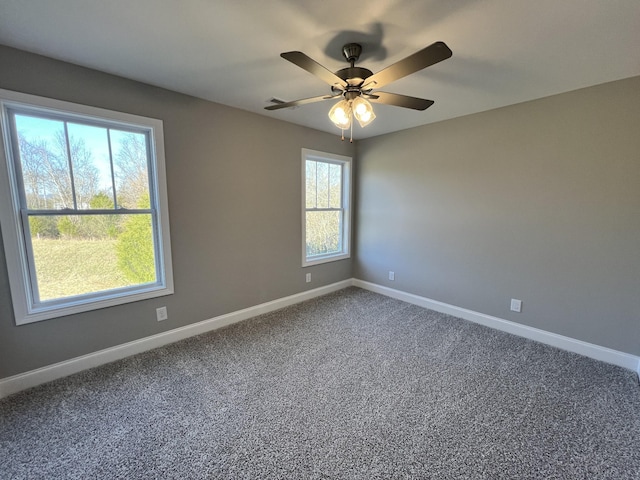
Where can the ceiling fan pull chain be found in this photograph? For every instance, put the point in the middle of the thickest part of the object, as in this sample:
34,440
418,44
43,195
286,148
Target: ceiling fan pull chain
342,129
351,139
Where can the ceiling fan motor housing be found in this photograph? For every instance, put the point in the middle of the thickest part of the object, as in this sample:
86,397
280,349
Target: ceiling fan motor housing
354,76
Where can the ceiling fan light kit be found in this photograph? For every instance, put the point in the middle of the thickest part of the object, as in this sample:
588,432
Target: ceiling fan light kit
355,85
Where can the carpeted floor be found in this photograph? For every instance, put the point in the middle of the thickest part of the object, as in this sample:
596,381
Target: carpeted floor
353,385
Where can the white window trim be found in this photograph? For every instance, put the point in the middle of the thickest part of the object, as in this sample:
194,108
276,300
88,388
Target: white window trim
15,251
347,192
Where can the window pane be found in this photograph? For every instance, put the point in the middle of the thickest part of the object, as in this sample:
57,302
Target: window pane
130,162
44,162
79,254
335,186
89,148
323,185
311,185
323,232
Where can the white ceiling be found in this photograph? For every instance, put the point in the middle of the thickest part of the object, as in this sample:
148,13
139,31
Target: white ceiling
228,51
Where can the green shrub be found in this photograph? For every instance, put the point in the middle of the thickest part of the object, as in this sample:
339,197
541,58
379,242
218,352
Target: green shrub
134,247
43,227
68,226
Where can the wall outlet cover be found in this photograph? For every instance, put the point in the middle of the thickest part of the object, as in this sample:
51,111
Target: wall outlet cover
161,314
516,305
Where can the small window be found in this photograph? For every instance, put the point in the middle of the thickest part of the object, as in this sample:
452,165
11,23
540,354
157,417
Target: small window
84,209
326,191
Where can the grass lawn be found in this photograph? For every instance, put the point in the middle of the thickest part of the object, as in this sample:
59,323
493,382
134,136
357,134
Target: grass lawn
72,267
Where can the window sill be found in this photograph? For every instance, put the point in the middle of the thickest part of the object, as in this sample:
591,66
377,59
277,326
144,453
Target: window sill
73,306
308,262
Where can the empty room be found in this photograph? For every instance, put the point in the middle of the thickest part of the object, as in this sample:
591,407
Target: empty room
318,239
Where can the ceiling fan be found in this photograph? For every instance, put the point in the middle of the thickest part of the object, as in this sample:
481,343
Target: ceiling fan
356,85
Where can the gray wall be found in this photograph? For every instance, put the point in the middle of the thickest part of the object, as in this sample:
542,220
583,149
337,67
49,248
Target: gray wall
539,201
233,181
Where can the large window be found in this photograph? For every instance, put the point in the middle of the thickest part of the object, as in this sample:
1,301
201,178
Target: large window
83,207
326,188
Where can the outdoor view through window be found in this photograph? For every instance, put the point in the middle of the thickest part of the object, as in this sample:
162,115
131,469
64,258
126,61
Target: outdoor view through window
326,192
86,188
324,208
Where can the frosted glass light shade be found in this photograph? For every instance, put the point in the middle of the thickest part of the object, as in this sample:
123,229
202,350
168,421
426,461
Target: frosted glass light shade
340,114
363,111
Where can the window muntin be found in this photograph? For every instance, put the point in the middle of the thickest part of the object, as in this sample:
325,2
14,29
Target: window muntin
86,205
326,219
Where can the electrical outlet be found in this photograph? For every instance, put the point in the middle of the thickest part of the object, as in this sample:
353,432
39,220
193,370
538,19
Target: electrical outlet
161,314
308,278
516,305
392,275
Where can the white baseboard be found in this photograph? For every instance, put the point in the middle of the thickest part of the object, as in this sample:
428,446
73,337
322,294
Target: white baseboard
597,352
36,377
32,378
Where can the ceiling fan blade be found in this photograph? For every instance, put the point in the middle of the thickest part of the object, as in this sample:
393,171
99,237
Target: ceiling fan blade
302,101
434,53
400,100
313,67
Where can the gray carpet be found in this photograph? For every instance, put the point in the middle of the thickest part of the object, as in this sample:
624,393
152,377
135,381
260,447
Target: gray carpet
352,385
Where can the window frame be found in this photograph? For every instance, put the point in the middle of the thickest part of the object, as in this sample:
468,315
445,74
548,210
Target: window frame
346,183
17,247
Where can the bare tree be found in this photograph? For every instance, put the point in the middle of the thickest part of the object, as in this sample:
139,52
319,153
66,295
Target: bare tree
47,178
130,169
85,173
46,174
